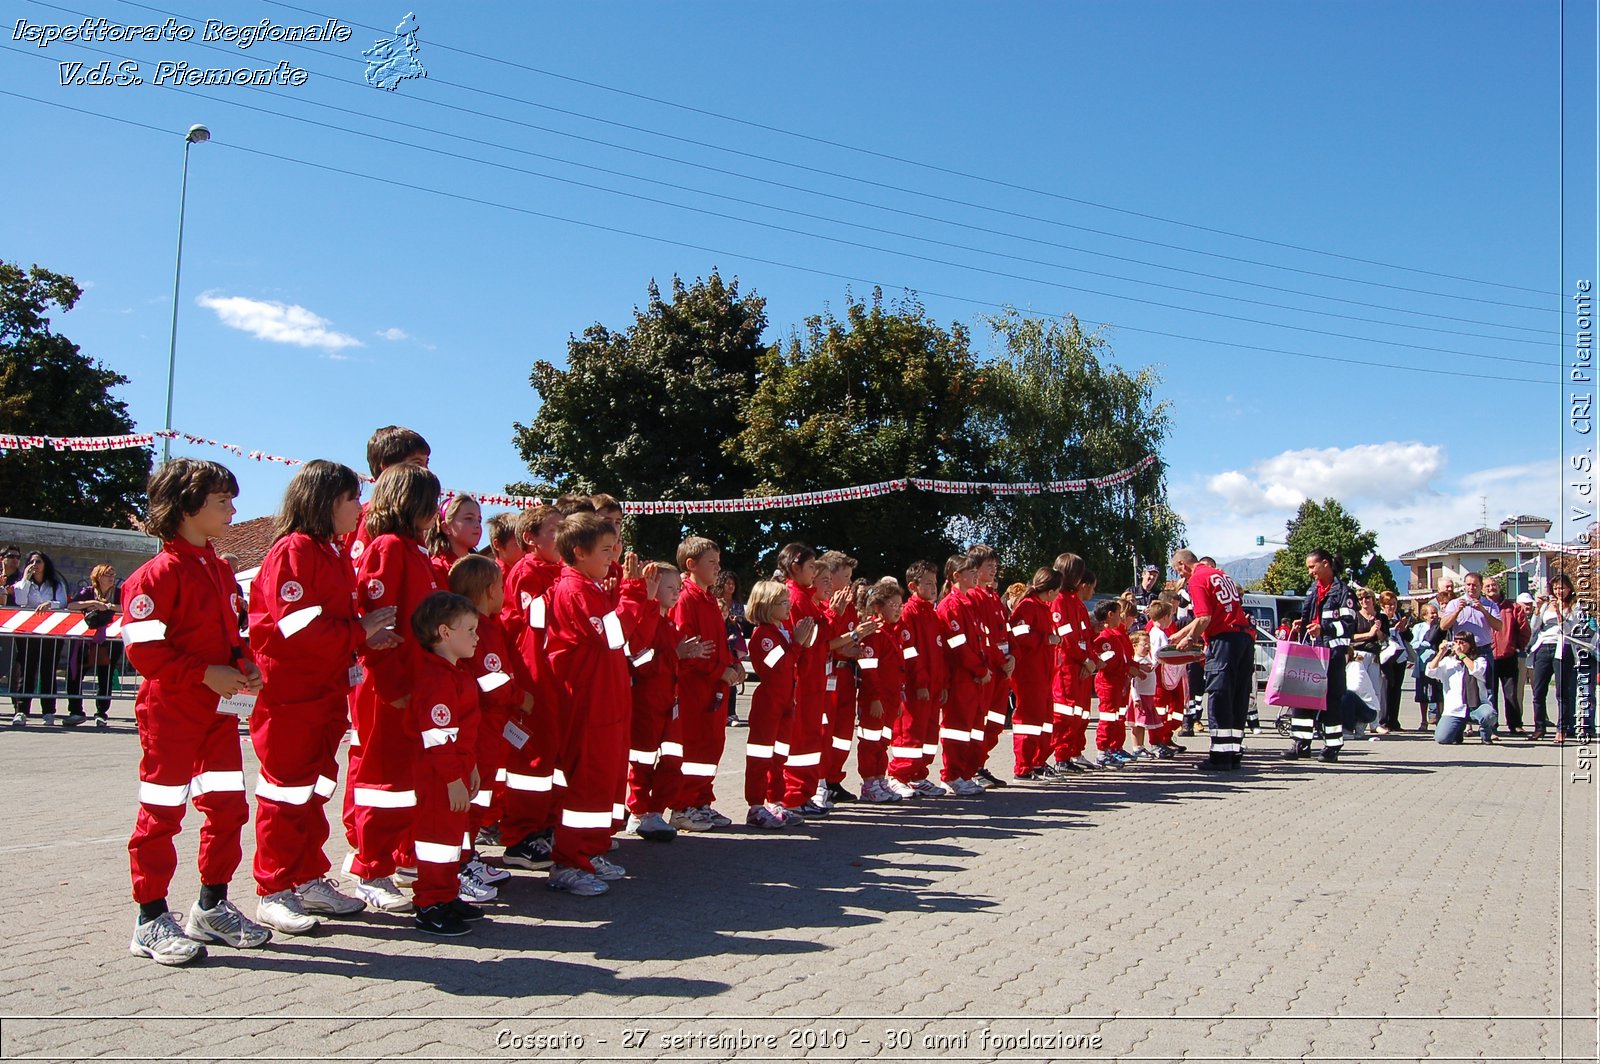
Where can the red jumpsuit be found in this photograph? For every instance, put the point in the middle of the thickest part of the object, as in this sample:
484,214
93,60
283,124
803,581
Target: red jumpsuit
773,657
841,704
962,724
702,696
915,737
804,748
585,644
531,767
1070,690
1172,683
991,612
304,633
444,716
655,749
1115,653
882,681
1031,628
381,796
356,543
180,617
503,684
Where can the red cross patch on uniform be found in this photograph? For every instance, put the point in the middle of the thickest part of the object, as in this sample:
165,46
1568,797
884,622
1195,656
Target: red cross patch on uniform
491,662
440,714
375,588
141,607
291,591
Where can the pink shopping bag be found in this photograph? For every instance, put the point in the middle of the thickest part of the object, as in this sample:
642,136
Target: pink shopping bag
1299,677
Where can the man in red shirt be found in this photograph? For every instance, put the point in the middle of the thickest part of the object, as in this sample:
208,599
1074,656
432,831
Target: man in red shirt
1220,620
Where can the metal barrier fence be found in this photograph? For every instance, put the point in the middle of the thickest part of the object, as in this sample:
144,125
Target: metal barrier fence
54,657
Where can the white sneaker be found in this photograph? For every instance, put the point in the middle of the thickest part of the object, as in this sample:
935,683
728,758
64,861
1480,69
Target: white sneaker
821,797
225,924
164,942
282,912
632,826
608,871
979,782
903,790
762,816
382,894
878,791
929,789
965,788
576,881
468,888
691,820
486,873
322,896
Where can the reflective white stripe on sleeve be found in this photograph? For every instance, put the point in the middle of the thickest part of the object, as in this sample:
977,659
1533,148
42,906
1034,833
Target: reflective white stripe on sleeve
867,663
995,718
286,795
772,658
957,641
905,752
159,794
840,744
143,632
613,628
1107,655
536,613
576,818
438,737
910,652
1063,629
438,852
1021,629
515,781
373,798
324,786
955,735
805,760
698,768
643,757
483,798
492,681
644,659
757,751
671,749
294,623
215,782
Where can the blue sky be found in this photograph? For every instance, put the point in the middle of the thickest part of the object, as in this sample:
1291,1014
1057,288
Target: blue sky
317,305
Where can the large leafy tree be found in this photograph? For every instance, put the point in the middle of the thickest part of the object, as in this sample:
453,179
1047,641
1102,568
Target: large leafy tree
49,387
1328,525
643,413
881,393
1064,411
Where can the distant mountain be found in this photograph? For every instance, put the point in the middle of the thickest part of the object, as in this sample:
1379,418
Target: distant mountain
1247,570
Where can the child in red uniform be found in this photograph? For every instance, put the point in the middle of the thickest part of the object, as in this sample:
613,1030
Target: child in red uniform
527,826
1171,680
181,632
585,644
655,751
969,676
915,738
1114,655
882,693
843,615
704,685
774,653
1072,687
391,445
504,541
992,614
381,797
455,535
505,694
444,715
304,633
1033,642
797,566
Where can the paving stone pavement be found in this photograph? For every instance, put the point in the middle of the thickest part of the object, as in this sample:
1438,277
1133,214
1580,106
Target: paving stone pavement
1415,902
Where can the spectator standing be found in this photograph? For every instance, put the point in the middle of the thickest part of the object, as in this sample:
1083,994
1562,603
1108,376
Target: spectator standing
34,661
1510,639
1367,644
99,601
10,570
1393,660
1426,639
1477,615
1146,591
1555,622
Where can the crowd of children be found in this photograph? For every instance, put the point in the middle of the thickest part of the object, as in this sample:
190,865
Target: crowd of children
547,697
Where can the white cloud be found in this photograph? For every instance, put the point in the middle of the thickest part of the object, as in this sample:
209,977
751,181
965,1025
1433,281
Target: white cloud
282,323
1381,472
394,334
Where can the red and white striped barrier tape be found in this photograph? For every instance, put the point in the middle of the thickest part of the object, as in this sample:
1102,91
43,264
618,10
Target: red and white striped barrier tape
51,622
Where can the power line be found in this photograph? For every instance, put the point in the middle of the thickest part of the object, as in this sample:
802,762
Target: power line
760,259
884,185
921,163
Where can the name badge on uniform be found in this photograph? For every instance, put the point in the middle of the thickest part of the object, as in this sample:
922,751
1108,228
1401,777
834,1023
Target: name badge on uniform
239,705
833,683
515,736
355,674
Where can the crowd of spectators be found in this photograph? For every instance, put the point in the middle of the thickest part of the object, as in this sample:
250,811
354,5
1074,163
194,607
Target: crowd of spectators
35,665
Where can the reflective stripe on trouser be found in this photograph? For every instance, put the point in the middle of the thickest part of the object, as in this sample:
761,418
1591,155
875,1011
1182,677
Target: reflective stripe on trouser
806,739
1302,727
379,787
653,777
298,746
994,718
593,767
841,727
872,749
956,748
183,746
703,725
1111,730
492,752
440,834
908,762
1229,675
530,779
769,723
1029,741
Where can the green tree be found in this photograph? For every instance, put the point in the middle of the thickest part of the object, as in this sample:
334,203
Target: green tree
1064,411
1328,525
881,394
643,413
49,387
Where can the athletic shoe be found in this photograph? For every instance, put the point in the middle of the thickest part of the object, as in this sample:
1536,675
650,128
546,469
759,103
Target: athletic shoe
989,779
282,912
1177,748
609,871
323,896
576,881
877,791
762,816
837,793
1084,764
928,789
1143,753
532,853
75,718
965,788
226,924
487,874
980,784
1164,753
48,720
441,920
821,797
734,722
407,872
488,835
464,909
163,941
20,720
382,894
1107,761
809,809
654,827
1122,757
468,888
1187,730
902,790
790,818
716,818
691,820
101,723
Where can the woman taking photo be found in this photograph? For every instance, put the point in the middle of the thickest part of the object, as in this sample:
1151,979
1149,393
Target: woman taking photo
1554,624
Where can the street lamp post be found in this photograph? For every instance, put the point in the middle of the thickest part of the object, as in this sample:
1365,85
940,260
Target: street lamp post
196,135
1516,546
